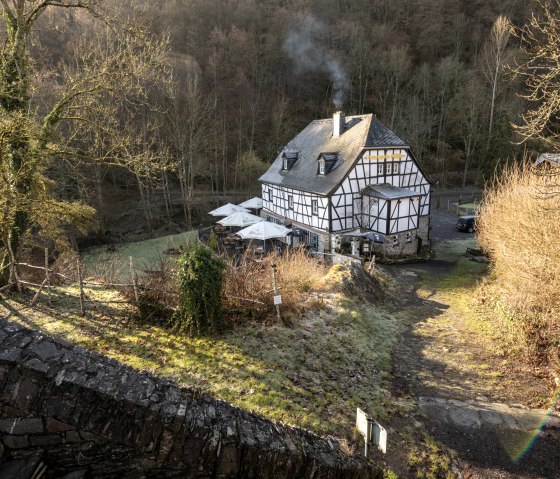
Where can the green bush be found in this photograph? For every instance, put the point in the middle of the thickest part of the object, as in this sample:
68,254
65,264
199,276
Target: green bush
201,276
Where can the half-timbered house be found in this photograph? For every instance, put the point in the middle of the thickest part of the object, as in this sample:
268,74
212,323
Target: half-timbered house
344,176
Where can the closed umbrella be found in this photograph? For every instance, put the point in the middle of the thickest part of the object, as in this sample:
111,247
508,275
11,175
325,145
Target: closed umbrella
227,210
240,219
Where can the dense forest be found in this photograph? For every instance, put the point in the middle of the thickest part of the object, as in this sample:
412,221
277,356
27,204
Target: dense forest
233,81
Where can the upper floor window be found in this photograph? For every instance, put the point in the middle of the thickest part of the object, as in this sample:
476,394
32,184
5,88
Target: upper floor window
270,195
289,158
290,202
315,207
327,162
389,168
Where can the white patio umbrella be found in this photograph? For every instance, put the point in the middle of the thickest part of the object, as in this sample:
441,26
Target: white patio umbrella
255,203
264,230
241,219
227,210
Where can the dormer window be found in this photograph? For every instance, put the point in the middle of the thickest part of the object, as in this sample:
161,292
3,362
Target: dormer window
326,162
289,157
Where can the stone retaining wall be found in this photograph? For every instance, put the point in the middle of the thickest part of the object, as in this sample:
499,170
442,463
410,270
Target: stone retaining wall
60,400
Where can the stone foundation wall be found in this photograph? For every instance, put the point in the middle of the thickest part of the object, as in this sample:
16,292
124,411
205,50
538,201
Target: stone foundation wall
61,403
398,244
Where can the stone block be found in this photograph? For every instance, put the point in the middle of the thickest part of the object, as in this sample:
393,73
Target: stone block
56,426
13,412
10,354
46,350
73,436
37,365
88,436
490,417
530,421
15,442
24,393
21,425
509,420
465,417
46,440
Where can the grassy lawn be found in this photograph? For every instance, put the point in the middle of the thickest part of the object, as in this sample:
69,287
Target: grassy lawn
313,375
100,261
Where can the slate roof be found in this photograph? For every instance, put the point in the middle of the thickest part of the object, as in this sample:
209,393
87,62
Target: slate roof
361,131
389,192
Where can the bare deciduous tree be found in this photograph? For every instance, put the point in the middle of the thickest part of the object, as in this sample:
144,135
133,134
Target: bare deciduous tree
494,59
115,67
541,73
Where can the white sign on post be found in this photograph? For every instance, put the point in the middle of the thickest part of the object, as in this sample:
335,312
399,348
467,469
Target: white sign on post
380,437
277,299
373,432
363,424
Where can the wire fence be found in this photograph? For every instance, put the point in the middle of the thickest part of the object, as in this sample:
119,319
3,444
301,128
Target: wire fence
74,275
50,282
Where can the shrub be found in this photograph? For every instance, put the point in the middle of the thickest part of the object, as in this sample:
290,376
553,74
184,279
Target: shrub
519,227
248,283
199,310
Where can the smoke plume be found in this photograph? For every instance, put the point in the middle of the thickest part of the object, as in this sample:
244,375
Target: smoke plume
305,44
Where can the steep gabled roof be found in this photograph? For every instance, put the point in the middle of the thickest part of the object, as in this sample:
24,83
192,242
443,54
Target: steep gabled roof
361,131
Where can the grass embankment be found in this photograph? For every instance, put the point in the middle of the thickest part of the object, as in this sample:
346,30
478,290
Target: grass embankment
312,375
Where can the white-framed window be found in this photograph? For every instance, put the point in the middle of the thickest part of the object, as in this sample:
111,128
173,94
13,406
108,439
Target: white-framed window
315,207
380,168
395,241
321,167
290,202
396,168
409,237
285,164
389,168
270,195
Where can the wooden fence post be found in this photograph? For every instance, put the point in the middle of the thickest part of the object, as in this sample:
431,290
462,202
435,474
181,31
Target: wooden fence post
47,276
82,306
13,267
275,288
133,277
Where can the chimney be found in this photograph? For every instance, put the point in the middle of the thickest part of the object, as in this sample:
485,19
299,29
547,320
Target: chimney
338,124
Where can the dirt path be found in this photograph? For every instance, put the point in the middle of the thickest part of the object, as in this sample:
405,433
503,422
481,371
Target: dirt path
476,401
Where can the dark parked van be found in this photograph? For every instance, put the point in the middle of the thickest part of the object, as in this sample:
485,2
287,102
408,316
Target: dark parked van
466,223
